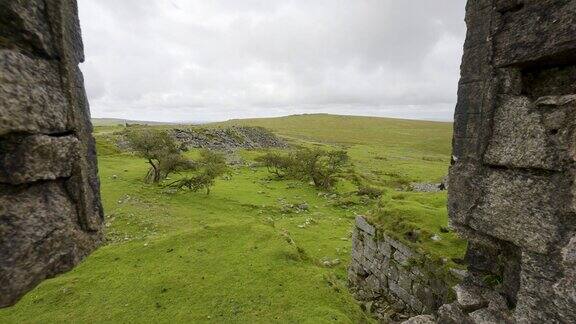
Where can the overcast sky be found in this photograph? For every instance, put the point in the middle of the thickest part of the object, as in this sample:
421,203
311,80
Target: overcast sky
205,60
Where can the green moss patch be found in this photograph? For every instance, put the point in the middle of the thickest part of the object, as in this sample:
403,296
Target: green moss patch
421,221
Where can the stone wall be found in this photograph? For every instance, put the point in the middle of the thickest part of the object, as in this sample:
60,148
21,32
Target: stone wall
513,178
383,270
50,211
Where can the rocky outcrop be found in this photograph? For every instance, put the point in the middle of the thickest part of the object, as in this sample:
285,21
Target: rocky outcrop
512,181
426,187
228,138
50,211
384,271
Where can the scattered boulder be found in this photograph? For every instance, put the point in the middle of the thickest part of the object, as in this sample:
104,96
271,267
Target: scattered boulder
426,187
303,206
458,273
421,319
330,263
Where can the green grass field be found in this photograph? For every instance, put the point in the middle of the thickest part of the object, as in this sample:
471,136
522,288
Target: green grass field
240,255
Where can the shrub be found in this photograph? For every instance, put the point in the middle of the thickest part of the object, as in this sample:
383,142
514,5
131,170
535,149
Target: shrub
346,202
322,168
210,166
160,150
369,191
276,163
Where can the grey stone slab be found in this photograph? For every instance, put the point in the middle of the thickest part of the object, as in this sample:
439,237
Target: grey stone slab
401,247
420,319
520,139
416,305
399,292
404,279
31,97
522,208
362,224
37,157
392,272
452,314
470,297
373,283
401,258
490,316
371,243
27,26
384,248
47,225
541,30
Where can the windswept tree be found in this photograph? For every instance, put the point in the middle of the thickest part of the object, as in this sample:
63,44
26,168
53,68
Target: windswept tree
209,167
276,163
323,168
160,150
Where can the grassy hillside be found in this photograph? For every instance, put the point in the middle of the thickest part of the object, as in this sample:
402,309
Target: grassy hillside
404,135
390,153
394,150
244,253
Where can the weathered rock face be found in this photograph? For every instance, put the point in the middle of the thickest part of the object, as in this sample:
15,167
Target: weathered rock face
513,178
50,211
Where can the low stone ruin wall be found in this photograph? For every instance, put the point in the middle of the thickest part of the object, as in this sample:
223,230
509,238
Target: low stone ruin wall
385,271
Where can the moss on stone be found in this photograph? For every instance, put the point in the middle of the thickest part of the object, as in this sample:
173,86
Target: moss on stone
420,221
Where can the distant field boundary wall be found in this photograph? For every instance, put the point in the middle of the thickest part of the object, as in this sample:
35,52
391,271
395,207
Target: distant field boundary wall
50,211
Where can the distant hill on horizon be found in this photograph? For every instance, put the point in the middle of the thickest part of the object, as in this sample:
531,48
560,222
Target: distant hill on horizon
351,130
336,115
121,121
338,129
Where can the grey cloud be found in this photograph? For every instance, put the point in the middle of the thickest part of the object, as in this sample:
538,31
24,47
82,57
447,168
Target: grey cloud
220,59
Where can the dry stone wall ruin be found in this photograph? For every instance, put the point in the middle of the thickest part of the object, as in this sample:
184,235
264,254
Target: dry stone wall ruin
383,273
50,211
513,179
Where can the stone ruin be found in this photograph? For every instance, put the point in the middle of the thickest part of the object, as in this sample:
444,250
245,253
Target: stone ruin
391,278
50,211
513,175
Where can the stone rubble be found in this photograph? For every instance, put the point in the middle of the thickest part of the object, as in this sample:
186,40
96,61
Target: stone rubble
228,138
